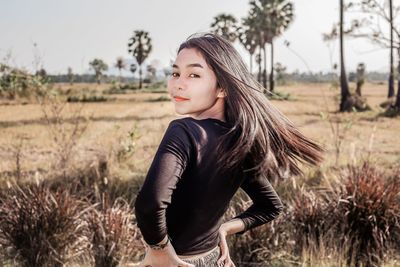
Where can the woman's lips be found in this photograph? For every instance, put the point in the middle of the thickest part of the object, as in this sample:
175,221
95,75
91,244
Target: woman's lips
179,99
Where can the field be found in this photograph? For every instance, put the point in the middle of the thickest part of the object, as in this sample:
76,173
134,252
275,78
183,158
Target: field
127,129
111,121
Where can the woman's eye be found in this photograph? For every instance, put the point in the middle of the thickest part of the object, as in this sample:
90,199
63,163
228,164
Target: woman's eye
175,74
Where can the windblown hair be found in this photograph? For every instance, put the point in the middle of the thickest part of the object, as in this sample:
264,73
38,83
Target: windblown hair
261,137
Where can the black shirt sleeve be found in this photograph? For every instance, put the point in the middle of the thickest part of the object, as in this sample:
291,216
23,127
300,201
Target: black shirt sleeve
170,160
266,203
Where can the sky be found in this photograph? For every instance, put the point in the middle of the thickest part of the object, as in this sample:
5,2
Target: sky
72,33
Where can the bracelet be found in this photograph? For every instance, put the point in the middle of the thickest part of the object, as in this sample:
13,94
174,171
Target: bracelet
160,246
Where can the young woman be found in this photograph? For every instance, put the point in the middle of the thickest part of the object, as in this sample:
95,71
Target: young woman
231,137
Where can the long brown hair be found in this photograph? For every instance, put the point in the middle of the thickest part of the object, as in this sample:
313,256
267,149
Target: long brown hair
261,137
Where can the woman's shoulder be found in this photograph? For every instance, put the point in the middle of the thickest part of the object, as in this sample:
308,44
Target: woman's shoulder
181,123
196,130
200,131
184,126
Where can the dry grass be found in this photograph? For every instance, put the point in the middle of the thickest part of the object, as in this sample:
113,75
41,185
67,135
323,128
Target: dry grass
126,132
114,236
112,120
40,227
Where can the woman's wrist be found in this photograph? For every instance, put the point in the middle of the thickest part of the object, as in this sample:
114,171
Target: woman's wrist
162,244
232,226
223,229
168,251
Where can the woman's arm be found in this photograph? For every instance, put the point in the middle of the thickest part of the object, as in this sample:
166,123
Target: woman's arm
170,160
232,226
172,157
265,208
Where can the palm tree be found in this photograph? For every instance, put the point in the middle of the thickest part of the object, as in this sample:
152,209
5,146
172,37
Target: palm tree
249,43
360,77
140,47
344,86
256,21
151,73
248,37
120,65
70,75
98,66
133,68
274,17
256,33
281,17
226,26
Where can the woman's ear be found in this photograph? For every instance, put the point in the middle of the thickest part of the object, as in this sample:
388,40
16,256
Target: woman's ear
221,93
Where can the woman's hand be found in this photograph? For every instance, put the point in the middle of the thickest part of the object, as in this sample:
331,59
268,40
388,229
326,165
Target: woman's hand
224,260
163,258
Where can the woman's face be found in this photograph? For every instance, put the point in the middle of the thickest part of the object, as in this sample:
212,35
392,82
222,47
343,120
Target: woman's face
196,82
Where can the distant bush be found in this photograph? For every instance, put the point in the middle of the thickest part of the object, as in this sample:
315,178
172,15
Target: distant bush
155,91
391,112
157,85
16,82
356,103
116,91
87,98
121,88
126,86
277,95
160,99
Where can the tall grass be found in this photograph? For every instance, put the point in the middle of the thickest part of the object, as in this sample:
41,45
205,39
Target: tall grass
113,234
65,131
369,211
358,218
352,220
311,223
39,227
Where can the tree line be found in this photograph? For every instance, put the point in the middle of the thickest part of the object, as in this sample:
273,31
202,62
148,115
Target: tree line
267,20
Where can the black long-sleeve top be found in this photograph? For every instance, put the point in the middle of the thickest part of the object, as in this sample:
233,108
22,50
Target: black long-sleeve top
184,197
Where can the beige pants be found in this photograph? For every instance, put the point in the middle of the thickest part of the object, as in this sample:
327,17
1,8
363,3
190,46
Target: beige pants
206,259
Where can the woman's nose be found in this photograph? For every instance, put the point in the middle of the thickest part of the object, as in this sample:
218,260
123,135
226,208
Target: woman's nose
180,84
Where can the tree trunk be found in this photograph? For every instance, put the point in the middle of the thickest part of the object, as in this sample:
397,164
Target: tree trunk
98,78
251,63
344,86
140,77
265,67
271,75
259,65
358,88
397,105
391,79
